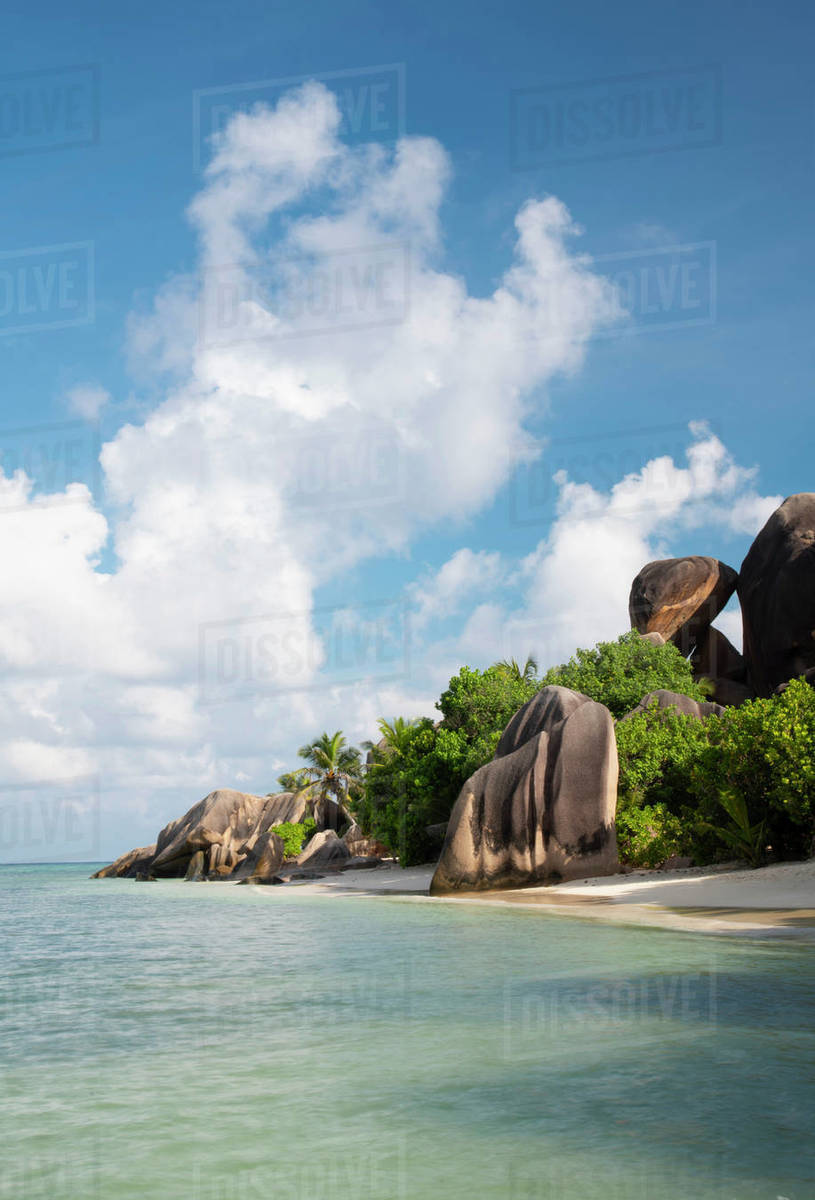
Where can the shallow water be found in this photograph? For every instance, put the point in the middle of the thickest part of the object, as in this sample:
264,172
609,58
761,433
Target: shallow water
206,1041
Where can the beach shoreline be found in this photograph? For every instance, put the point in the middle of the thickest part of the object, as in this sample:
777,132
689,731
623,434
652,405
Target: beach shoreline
771,901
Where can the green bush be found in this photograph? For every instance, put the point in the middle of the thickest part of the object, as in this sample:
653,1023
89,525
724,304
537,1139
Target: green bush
618,674
764,754
295,834
411,787
648,835
656,804
657,750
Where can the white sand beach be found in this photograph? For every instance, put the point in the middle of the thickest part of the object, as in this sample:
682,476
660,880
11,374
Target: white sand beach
770,901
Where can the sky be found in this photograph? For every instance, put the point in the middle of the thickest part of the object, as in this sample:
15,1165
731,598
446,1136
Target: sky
346,345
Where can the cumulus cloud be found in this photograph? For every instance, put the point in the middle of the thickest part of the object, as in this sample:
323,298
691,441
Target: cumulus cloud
575,582
331,389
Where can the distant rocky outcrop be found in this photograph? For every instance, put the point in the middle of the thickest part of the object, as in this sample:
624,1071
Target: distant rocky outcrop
135,862
224,825
777,595
231,835
543,810
678,598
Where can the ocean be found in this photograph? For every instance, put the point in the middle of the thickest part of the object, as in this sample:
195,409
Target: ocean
212,1042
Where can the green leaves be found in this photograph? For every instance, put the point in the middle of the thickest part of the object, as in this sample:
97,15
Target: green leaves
294,835
763,755
618,674
744,839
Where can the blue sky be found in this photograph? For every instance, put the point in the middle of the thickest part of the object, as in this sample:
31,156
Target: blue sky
706,143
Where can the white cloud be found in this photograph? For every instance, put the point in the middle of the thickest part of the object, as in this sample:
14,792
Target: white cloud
576,581
87,400
458,583
233,502
210,524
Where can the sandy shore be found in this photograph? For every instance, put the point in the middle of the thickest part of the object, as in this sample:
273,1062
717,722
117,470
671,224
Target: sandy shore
778,900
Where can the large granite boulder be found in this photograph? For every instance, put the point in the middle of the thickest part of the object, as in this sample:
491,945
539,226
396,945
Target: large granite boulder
546,709
777,594
717,659
128,866
360,846
680,597
197,869
263,861
674,700
325,849
543,810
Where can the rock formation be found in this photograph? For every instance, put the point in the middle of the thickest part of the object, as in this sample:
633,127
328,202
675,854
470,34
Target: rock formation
135,862
263,861
543,810
324,850
682,704
213,838
777,594
230,835
225,825
360,846
680,597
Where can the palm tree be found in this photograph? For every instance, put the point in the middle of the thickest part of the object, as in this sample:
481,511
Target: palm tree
526,674
293,781
334,774
396,733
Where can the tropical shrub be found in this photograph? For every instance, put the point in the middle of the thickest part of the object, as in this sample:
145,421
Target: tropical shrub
656,805
415,779
618,674
648,835
295,834
657,750
762,754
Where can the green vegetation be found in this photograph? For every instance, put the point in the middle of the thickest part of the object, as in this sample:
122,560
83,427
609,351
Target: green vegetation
415,777
618,674
763,754
295,834
742,784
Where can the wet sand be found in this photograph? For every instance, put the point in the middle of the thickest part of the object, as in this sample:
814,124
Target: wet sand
771,901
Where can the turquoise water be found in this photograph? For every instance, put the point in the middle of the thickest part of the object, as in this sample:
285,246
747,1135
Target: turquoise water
206,1041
